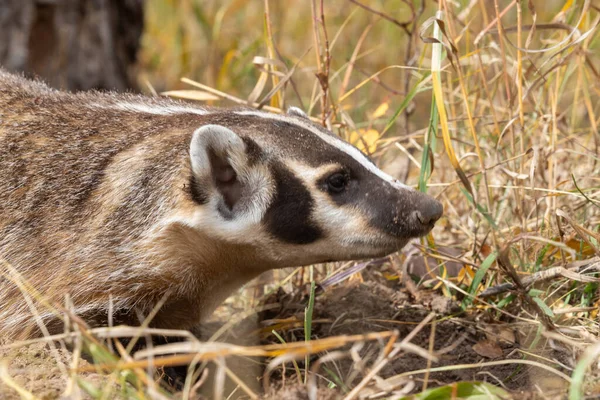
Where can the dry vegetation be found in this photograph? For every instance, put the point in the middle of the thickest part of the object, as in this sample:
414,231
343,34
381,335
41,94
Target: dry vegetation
492,108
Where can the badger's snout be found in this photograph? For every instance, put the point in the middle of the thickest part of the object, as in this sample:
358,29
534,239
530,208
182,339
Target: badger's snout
405,213
423,213
428,211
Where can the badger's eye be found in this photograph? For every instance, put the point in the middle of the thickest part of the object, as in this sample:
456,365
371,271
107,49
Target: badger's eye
337,182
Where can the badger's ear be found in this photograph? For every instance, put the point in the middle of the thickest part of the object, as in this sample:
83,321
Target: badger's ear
218,160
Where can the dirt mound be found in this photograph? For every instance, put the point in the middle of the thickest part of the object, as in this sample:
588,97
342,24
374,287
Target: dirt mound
460,342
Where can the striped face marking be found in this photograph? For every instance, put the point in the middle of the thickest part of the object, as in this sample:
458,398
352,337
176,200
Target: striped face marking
307,197
331,140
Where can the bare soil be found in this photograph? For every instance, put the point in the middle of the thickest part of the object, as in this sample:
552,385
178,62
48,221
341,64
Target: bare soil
40,370
457,339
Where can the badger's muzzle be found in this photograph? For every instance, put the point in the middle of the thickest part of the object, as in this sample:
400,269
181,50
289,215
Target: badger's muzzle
427,211
404,213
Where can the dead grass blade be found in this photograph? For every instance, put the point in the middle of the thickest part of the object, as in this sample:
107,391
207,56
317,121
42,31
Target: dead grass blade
211,351
197,95
581,231
228,96
389,355
573,272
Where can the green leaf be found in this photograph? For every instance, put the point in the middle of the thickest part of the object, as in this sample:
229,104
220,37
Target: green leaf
308,314
89,388
429,146
505,301
463,390
535,292
543,306
480,208
481,271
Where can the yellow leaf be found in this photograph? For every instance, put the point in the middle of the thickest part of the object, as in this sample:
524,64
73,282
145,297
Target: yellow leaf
439,102
594,313
567,5
365,139
465,275
390,277
381,110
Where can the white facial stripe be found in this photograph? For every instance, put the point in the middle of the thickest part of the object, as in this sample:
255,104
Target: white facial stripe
244,229
310,175
333,141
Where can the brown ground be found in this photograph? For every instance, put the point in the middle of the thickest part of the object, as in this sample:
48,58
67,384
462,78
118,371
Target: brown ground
349,309
35,368
371,307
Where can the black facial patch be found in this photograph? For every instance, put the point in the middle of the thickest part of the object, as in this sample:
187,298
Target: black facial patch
288,216
344,196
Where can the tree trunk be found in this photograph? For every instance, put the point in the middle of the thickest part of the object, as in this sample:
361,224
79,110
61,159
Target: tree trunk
73,44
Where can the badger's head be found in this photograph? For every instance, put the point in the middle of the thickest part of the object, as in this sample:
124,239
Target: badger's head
297,193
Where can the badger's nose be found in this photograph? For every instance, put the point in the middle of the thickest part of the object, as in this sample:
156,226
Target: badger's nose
429,211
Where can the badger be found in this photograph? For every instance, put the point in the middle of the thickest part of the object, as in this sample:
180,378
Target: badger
126,203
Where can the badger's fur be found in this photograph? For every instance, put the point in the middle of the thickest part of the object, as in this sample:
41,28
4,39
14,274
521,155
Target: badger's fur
127,200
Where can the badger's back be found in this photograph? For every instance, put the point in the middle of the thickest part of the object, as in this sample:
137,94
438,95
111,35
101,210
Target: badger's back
81,182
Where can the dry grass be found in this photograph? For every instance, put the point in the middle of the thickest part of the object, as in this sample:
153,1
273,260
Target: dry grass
494,111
